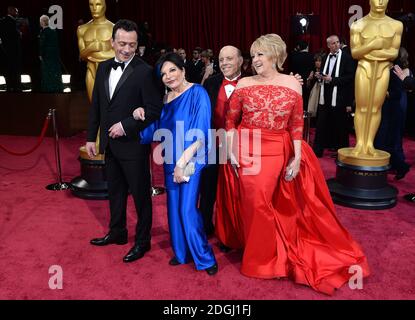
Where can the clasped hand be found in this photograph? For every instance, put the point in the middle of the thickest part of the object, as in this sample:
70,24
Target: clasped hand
116,131
178,175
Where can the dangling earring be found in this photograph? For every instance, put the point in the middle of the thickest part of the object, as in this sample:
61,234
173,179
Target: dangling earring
185,83
274,66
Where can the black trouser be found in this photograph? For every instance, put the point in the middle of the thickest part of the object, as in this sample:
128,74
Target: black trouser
208,188
331,129
12,71
134,176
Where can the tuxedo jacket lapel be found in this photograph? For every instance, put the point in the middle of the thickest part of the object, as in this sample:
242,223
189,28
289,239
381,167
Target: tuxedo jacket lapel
107,82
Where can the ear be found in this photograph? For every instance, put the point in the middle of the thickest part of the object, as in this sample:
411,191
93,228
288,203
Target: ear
240,62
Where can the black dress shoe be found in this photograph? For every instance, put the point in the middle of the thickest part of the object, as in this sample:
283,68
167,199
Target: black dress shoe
410,197
212,270
224,248
400,174
137,252
110,239
174,262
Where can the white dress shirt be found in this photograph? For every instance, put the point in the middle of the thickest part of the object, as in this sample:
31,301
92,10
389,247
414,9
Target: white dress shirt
332,64
115,76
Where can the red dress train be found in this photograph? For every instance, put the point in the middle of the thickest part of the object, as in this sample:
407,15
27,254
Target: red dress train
287,229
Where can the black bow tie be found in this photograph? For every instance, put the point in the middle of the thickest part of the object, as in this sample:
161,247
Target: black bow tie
333,55
116,64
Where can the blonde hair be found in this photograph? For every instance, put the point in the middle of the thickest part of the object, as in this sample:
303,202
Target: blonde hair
274,47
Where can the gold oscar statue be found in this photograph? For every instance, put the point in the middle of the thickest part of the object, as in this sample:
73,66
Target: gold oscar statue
375,42
94,41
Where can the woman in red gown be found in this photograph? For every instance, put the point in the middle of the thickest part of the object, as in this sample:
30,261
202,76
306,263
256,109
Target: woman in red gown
288,219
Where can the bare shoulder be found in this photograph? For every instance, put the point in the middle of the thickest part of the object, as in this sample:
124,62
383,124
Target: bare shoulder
291,82
244,82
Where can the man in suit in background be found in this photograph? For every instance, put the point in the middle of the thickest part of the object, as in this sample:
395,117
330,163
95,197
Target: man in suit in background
122,85
220,88
302,63
195,68
336,99
12,48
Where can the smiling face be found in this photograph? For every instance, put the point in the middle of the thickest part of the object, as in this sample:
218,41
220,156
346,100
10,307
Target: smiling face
98,8
172,76
261,60
230,62
125,45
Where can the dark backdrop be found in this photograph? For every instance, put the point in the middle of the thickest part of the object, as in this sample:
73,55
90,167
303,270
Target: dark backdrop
205,23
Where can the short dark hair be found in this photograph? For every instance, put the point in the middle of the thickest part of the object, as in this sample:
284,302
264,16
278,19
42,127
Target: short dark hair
126,25
302,45
198,49
318,57
403,58
173,58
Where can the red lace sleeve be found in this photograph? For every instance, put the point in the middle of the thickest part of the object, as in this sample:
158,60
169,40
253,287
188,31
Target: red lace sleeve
233,116
296,122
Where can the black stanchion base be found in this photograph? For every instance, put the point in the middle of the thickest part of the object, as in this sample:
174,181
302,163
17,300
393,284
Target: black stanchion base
59,186
92,184
363,188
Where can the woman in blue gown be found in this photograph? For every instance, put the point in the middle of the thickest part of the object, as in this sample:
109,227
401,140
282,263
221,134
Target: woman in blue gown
183,129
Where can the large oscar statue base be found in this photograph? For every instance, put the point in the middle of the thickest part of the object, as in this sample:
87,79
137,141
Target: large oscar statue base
362,183
92,184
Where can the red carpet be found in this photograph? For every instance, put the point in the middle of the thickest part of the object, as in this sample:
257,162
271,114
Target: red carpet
40,228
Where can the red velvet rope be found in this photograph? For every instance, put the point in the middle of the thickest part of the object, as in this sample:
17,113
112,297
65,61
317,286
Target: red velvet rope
39,142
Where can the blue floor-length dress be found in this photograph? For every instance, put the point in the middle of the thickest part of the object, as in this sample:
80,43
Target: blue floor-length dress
179,119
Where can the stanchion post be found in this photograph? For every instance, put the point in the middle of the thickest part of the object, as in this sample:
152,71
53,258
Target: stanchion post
60,186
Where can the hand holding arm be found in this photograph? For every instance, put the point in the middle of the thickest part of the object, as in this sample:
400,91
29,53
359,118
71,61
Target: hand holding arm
139,114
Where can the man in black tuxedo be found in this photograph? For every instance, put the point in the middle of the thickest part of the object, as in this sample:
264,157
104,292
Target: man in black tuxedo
123,84
11,46
302,63
220,88
195,68
336,99
408,84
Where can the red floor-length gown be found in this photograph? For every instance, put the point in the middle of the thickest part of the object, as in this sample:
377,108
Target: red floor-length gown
289,229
